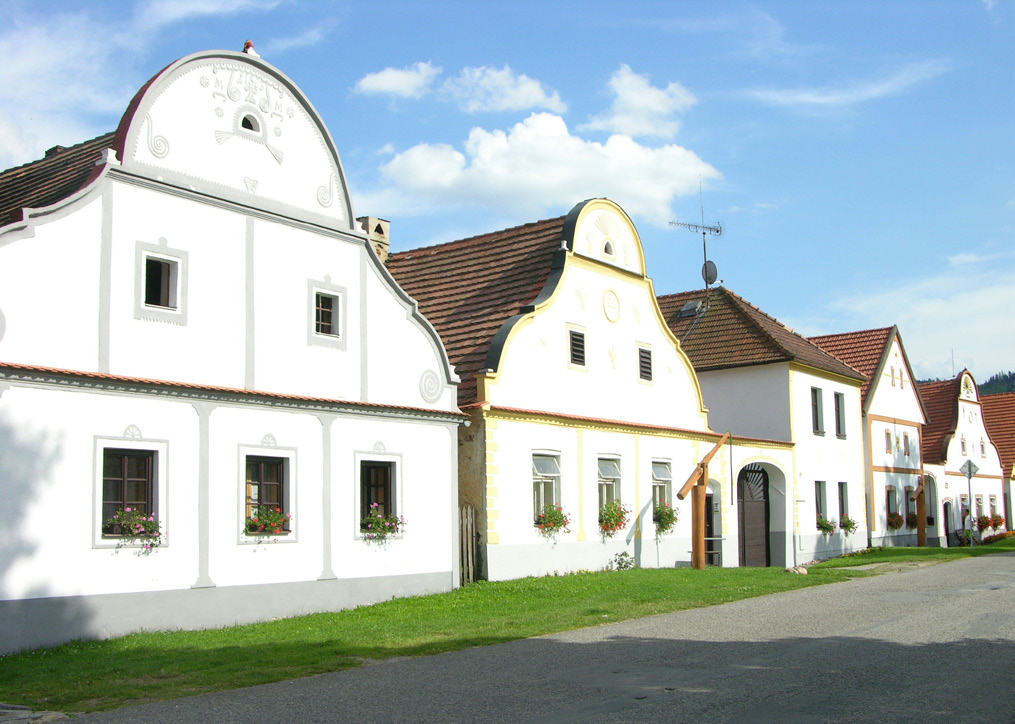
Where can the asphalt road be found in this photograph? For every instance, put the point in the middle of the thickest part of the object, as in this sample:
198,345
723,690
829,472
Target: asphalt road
932,644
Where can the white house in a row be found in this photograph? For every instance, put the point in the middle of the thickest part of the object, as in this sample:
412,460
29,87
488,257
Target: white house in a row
761,379
193,326
893,420
579,396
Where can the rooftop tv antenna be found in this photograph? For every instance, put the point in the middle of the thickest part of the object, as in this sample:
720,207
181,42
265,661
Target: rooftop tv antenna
708,270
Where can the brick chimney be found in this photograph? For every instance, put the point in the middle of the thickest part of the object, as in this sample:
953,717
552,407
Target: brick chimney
378,231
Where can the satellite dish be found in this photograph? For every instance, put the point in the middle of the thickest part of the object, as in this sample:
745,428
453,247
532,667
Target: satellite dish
709,273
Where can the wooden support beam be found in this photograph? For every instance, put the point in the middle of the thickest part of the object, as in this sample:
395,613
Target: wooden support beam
920,496
698,512
696,475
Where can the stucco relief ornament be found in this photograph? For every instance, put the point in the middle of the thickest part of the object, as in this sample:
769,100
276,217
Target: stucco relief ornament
430,386
158,146
611,305
326,194
259,100
132,432
269,440
581,298
379,447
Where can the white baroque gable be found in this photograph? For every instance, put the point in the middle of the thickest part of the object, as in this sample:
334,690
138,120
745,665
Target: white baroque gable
231,125
605,233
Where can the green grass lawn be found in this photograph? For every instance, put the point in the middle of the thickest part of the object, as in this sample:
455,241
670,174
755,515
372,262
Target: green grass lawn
99,675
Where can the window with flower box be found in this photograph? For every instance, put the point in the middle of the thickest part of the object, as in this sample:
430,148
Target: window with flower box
128,483
377,488
662,486
545,483
266,506
609,480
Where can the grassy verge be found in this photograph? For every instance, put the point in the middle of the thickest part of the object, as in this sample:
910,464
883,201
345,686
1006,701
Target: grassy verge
100,675
914,555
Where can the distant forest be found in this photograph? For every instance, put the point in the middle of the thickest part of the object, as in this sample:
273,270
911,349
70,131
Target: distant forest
995,384
1001,382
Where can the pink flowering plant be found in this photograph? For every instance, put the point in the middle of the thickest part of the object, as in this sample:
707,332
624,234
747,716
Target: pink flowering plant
378,526
665,517
134,527
895,521
268,520
613,518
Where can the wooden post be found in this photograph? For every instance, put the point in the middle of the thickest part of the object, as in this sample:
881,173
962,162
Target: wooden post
698,520
921,515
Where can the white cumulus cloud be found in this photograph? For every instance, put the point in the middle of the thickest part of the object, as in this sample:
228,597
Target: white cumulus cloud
641,109
539,164
412,82
500,89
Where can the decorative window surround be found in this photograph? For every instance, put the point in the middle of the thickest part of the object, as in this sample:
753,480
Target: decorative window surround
290,487
395,462
545,481
609,480
337,338
159,484
160,283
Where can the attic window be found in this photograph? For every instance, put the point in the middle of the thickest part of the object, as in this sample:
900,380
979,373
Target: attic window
608,248
689,309
577,340
250,123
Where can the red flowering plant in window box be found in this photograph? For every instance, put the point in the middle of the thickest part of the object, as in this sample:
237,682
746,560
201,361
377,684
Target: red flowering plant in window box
613,518
997,521
912,521
268,520
134,527
983,522
552,521
895,521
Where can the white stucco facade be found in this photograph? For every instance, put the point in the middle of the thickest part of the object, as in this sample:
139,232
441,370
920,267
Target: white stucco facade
172,308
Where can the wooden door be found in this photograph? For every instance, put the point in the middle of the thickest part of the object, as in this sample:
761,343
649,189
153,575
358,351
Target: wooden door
752,499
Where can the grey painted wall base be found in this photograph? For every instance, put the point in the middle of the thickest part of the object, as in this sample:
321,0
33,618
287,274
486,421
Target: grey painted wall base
41,622
897,540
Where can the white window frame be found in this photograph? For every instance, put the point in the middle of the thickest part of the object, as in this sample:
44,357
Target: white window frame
662,484
843,500
160,480
176,313
817,411
608,485
840,415
289,492
339,293
547,478
821,499
369,456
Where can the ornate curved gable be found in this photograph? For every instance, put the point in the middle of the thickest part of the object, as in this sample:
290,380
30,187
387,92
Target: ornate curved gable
600,230
230,125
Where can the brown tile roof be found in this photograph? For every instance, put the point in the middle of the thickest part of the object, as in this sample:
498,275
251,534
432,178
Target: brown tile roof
999,417
467,289
735,333
46,181
941,403
863,351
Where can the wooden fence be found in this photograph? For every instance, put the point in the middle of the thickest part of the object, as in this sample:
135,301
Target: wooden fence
467,542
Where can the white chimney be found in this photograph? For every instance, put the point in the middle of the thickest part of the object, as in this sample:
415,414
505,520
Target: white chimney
379,233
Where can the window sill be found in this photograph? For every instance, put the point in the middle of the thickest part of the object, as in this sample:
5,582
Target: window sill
819,433
841,437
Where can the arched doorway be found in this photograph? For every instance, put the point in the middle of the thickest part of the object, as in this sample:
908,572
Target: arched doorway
753,515
947,521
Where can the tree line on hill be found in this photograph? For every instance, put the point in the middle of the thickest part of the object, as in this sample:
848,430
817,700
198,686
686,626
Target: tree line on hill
995,384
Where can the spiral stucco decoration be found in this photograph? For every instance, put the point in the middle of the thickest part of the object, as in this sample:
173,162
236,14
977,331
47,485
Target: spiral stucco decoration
430,386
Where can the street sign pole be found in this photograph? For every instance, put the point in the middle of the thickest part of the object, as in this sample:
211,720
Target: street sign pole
969,469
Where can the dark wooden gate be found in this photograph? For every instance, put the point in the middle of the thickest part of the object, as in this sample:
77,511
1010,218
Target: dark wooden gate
752,500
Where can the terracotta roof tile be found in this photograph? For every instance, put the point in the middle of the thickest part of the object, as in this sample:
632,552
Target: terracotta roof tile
46,181
999,417
861,350
731,332
467,289
941,402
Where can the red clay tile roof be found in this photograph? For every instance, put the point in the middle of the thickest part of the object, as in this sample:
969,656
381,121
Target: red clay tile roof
46,181
941,403
863,351
467,289
999,418
735,333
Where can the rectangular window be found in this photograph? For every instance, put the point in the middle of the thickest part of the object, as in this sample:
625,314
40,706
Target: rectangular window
820,506
662,486
840,415
910,503
577,341
817,413
545,483
891,503
843,500
963,446
993,505
377,487
265,486
888,441
645,363
609,481
905,444
979,505
983,449
326,314
128,481
160,282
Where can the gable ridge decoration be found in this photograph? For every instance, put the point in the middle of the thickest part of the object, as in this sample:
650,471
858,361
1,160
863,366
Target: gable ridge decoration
262,123
942,404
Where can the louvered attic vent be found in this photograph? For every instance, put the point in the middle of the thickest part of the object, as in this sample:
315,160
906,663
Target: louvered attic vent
577,348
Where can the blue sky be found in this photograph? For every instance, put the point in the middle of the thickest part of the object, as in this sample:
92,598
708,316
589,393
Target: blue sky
859,155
